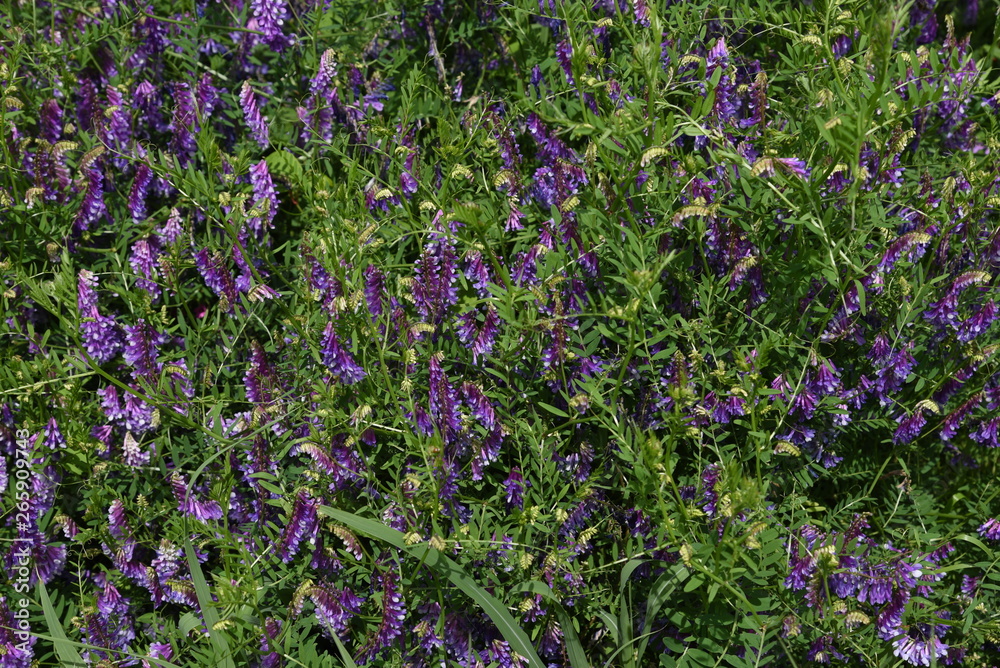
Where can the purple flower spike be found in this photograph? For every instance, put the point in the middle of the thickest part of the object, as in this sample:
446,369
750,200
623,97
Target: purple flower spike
111,627
217,276
514,487
334,609
986,433
54,438
479,337
184,124
140,350
145,253
140,190
50,121
954,419
92,209
301,526
158,650
207,95
101,335
909,427
914,243
978,323
264,196
479,404
919,648
173,228
187,504
339,361
374,290
256,123
443,400
434,289
990,529
327,72
393,616
269,16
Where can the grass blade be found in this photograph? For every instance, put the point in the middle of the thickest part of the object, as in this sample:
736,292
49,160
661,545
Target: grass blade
67,654
208,612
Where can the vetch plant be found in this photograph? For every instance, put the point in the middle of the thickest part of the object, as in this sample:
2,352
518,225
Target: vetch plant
530,334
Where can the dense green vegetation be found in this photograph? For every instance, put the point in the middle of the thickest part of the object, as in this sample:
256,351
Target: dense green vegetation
499,334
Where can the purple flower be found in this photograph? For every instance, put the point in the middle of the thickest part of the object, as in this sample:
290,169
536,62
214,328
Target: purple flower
434,289
443,402
374,290
794,166
138,415
217,275
132,454
111,627
50,121
189,505
890,620
514,488
951,423
823,650
140,350
986,433
143,260
117,522
184,124
257,124
393,616
269,649
804,404
479,337
880,350
728,408
478,274
919,648
140,190
978,323
207,95
261,379
338,360
264,196
173,228
53,439
551,643
825,380
479,404
340,463
710,497
92,209
321,83
909,427
269,16
914,243
102,338
990,529
334,609
302,524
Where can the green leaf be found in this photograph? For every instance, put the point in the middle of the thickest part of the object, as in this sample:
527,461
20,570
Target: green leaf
224,655
67,654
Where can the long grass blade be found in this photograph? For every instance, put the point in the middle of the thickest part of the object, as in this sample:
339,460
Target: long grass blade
208,611
68,656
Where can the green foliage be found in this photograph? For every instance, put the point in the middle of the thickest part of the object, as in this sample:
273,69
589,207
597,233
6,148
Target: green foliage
587,267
